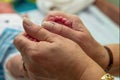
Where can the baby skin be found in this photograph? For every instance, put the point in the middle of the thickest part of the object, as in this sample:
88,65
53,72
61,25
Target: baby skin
57,19
61,20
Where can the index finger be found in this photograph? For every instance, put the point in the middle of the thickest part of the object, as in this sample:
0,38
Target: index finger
22,43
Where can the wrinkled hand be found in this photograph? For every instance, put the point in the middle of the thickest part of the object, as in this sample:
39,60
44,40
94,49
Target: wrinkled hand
72,27
53,57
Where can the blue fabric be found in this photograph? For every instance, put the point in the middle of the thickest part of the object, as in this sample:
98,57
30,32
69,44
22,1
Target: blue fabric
25,6
6,40
1,72
6,47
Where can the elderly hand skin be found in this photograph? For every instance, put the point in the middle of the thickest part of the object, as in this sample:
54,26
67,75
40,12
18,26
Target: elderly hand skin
54,57
79,34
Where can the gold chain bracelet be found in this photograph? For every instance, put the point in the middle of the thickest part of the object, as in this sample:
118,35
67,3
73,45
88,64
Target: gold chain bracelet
107,76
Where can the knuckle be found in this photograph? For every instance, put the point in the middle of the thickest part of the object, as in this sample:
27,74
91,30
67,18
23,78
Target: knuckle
34,56
53,26
28,50
59,42
16,40
52,37
62,29
76,18
80,38
57,28
38,31
53,48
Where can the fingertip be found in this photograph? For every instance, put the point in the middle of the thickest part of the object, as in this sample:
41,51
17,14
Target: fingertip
27,21
47,24
21,38
30,28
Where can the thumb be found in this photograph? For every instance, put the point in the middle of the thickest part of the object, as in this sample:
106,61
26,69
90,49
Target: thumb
59,29
36,31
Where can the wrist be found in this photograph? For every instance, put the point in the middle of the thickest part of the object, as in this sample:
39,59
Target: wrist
93,72
102,57
89,71
99,54
77,68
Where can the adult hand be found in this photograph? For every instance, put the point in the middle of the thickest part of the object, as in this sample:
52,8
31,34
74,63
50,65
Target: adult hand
78,33
54,57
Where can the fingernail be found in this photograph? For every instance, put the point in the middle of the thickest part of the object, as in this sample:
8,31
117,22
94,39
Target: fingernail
27,22
46,23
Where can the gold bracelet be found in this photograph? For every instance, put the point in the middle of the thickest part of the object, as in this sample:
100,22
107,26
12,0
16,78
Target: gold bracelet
107,76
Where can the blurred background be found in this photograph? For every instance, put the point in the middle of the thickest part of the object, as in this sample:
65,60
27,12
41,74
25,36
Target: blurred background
101,17
116,2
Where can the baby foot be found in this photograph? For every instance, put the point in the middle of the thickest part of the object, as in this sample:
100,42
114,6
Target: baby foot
32,39
61,20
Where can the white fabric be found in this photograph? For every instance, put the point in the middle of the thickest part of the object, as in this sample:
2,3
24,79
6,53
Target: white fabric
69,6
13,21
